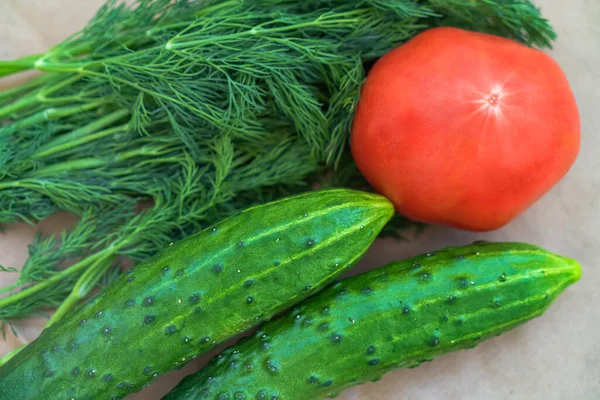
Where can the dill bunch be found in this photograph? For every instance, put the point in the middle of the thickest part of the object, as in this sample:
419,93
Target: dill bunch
200,108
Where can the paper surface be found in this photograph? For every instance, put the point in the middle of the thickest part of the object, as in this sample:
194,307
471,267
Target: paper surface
555,357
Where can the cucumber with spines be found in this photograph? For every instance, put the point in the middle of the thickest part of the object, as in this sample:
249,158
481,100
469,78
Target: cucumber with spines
196,294
397,316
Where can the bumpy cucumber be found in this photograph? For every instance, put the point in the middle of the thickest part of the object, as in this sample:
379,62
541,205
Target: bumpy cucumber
196,294
398,316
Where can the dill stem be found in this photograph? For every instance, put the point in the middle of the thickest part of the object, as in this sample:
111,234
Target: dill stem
82,140
84,263
77,50
79,97
255,32
18,65
10,354
10,287
61,84
86,163
54,113
41,96
84,285
36,82
90,163
31,62
18,105
10,184
85,134
71,165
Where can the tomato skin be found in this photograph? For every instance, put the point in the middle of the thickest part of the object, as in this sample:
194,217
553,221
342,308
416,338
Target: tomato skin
465,129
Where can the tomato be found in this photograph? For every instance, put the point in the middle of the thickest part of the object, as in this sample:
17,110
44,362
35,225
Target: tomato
465,129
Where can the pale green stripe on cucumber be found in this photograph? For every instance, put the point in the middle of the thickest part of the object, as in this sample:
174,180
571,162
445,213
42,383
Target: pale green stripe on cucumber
196,294
401,315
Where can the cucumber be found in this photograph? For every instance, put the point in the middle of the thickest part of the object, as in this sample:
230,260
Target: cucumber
398,316
196,294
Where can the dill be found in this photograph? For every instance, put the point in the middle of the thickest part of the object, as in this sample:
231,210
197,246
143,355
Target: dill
200,108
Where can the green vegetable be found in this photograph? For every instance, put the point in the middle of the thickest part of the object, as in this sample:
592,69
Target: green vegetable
395,317
196,294
204,107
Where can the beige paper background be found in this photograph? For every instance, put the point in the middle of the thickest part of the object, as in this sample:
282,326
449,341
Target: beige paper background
555,357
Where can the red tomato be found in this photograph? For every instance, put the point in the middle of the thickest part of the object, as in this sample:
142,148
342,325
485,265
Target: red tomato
465,129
